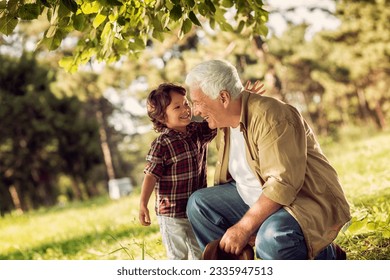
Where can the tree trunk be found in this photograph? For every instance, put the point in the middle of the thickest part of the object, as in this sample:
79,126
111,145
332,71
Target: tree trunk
6,203
363,105
17,199
380,116
78,194
105,147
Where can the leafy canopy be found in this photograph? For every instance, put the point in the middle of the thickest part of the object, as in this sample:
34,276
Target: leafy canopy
108,29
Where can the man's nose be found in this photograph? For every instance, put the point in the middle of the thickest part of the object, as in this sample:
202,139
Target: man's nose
195,110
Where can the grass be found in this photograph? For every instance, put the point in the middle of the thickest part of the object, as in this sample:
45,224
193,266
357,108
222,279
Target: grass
103,229
98,229
362,163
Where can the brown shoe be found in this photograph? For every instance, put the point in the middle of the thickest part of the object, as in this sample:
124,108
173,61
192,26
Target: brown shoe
213,252
340,253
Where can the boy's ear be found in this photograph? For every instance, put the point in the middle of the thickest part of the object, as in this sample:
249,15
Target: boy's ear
224,97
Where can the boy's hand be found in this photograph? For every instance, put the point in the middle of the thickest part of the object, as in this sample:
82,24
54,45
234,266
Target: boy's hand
255,88
144,217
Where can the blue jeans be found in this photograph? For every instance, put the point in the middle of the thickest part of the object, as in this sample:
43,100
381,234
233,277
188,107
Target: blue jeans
213,210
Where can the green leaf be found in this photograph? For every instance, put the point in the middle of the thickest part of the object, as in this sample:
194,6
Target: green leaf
211,6
202,9
259,3
194,19
3,5
52,43
226,26
357,226
29,11
158,35
71,5
212,23
46,3
190,3
99,19
176,13
114,3
8,24
68,64
13,6
121,21
157,25
136,46
240,26
79,22
106,31
90,8
227,3
261,29
187,25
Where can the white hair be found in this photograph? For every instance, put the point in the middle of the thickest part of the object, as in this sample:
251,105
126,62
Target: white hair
214,76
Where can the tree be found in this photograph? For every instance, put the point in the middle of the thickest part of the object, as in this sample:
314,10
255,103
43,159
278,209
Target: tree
354,63
108,29
42,137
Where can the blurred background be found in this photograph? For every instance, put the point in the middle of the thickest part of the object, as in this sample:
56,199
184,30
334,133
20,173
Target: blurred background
74,136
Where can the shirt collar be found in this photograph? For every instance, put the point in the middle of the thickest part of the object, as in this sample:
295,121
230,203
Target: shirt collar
177,134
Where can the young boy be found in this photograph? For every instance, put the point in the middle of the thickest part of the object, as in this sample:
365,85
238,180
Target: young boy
176,168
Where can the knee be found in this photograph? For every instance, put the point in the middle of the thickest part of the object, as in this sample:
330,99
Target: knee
195,204
268,242
277,240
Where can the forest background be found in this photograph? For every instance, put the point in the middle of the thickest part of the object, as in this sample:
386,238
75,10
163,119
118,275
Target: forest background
73,118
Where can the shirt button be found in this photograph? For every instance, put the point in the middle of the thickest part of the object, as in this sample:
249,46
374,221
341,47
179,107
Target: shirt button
218,162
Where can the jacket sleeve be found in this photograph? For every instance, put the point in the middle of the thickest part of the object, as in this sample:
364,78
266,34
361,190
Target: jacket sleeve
281,144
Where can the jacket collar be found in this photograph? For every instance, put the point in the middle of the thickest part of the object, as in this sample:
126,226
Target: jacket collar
244,110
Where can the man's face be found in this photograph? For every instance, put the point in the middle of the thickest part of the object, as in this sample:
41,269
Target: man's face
209,109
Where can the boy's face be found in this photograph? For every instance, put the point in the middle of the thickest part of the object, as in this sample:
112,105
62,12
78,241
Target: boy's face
178,113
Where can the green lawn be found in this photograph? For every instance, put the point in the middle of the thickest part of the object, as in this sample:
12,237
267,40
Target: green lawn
99,229
363,165
106,229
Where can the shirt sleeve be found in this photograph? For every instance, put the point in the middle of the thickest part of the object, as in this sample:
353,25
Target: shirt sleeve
155,159
206,134
283,158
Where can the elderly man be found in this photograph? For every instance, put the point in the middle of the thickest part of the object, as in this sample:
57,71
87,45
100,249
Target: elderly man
272,180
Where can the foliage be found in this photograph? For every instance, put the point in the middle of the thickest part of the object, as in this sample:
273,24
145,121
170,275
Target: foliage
109,29
339,76
42,136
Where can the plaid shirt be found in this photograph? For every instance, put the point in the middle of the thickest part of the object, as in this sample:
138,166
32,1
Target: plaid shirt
178,161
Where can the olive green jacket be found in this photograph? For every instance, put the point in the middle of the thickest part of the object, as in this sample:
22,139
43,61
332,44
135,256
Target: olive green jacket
286,158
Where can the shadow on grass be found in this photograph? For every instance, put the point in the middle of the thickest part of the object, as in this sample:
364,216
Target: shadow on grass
72,247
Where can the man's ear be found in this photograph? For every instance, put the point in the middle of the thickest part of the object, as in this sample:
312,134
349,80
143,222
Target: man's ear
225,97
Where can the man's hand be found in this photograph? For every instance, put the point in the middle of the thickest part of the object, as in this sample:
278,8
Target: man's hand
234,240
255,88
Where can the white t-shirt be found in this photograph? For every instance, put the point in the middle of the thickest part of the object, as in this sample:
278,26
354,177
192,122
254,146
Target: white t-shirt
248,186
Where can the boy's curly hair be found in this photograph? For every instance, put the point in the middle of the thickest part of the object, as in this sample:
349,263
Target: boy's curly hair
158,101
